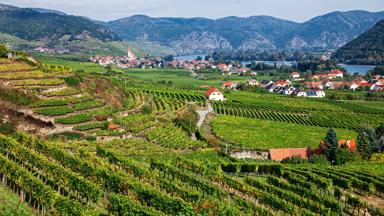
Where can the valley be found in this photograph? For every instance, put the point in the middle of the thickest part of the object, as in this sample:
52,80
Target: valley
165,115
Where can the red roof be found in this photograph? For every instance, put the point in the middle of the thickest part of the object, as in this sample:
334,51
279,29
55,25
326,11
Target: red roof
295,73
351,144
210,91
336,72
281,82
281,154
228,84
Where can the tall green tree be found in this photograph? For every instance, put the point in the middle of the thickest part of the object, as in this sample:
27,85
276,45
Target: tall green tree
367,141
331,146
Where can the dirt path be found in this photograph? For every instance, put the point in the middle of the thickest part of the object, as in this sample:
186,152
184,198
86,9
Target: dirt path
203,114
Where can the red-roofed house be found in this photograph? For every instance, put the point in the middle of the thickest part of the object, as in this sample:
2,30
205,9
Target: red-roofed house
229,85
295,75
282,83
314,85
281,154
214,94
335,74
351,144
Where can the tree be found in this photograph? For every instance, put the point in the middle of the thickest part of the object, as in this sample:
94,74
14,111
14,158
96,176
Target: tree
3,50
367,141
380,131
331,146
344,155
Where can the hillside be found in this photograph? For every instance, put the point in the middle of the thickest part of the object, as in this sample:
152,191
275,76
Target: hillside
96,143
366,49
252,33
25,28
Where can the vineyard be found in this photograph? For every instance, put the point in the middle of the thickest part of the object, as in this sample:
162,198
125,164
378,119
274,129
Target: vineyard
77,180
114,147
349,119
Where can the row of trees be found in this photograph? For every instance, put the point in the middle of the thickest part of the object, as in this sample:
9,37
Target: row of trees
370,141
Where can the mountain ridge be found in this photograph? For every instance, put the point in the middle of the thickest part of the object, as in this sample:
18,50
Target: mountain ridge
331,30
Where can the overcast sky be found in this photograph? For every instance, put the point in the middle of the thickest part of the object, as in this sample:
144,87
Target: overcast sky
106,10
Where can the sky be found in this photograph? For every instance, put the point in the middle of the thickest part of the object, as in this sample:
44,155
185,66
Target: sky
107,10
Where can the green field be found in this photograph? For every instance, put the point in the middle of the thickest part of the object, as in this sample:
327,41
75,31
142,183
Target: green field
261,134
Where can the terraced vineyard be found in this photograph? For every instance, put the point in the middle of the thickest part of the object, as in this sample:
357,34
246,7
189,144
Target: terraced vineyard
105,156
75,184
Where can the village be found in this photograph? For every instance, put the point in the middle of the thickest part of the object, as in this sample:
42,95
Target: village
296,84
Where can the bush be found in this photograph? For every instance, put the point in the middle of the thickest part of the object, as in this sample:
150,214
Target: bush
378,157
294,160
319,159
72,80
3,50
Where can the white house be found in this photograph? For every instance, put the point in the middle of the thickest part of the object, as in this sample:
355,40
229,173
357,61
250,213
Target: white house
301,94
320,94
214,94
252,82
377,86
295,75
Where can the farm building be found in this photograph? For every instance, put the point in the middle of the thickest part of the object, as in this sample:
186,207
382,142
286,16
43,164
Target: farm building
281,154
214,94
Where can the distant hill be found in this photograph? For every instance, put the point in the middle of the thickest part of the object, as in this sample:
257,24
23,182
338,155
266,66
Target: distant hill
42,10
193,35
368,48
23,28
177,36
30,24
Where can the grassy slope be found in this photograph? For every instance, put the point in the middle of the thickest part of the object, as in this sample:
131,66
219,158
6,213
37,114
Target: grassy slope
8,203
261,134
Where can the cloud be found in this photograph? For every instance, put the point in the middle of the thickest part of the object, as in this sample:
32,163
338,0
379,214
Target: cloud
298,10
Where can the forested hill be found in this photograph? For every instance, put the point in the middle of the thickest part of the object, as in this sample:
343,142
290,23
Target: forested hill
194,35
366,49
31,24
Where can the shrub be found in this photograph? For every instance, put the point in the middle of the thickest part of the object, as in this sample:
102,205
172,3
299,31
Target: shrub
294,160
378,157
319,159
72,80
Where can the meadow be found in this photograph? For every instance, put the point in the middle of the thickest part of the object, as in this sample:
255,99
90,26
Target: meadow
250,133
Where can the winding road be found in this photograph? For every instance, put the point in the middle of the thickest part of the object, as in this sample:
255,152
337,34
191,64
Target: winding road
203,114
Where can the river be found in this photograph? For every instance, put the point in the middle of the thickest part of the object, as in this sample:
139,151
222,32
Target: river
361,69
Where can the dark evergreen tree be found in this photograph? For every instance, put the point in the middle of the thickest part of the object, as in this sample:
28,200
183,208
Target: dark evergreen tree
380,131
367,141
331,146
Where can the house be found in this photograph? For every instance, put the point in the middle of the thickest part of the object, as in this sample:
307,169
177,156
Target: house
316,94
335,74
314,85
295,75
10,56
327,84
289,90
283,83
252,82
214,94
265,83
281,154
352,85
271,87
350,144
301,94
377,86
229,85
